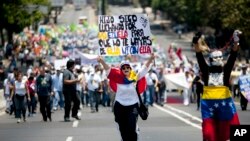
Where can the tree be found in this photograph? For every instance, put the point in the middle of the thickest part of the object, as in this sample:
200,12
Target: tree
17,14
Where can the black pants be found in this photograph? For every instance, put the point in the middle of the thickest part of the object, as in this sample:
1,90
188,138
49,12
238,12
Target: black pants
126,117
71,97
45,107
243,102
21,105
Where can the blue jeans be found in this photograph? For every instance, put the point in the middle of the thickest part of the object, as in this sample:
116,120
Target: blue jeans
58,99
149,95
32,104
93,99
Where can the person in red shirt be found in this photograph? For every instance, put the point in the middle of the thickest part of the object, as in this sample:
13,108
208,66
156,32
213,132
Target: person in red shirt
30,85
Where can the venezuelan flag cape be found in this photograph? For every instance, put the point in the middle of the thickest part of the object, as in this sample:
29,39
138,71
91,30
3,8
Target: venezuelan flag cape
218,113
117,77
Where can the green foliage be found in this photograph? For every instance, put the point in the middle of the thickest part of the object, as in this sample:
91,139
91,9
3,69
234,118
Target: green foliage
219,14
16,14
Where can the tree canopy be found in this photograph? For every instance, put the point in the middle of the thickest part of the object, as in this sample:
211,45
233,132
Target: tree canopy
17,14
218,14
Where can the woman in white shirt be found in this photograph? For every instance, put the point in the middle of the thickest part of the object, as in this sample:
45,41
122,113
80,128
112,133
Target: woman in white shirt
126,98
20,97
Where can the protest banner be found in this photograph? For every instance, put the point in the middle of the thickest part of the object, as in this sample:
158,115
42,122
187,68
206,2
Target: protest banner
124,35
244,83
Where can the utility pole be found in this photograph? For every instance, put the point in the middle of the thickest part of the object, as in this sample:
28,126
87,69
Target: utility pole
103,7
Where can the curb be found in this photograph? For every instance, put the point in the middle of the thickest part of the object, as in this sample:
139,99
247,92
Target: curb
2,101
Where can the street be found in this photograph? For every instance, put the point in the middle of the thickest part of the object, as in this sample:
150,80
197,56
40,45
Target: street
173,122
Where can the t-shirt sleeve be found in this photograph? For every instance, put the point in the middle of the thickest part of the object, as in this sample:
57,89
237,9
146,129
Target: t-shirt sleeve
66,75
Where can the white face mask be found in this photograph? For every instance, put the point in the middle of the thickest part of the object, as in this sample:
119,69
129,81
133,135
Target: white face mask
216,58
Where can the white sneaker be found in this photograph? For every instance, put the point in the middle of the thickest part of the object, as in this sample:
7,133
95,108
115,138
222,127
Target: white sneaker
19,120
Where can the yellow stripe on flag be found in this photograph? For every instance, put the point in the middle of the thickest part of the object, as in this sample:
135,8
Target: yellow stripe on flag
220,92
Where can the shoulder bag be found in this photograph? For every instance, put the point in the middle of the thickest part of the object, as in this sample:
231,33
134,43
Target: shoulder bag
142,109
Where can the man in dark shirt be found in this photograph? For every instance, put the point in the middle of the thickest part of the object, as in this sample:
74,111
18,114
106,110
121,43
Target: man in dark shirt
44,92
69,91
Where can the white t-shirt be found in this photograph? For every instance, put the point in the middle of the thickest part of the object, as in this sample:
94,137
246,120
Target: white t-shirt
20,88
93,81
7,84
150,78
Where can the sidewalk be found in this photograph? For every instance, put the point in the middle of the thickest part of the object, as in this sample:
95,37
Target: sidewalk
2,101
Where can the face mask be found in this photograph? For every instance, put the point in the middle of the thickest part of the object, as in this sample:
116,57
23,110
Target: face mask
216,58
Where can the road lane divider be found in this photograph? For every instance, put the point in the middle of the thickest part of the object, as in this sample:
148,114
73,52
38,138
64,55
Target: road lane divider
75,124
69,138
178,117
184,113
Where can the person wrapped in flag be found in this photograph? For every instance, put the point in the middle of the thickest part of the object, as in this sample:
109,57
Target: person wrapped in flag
122,82
217,107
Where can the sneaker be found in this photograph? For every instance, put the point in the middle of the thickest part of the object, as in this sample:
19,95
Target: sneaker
76,117
66,119
54,108
24,119
18,120
50,119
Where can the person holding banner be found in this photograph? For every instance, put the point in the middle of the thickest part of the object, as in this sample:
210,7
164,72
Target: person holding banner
122,81
217,106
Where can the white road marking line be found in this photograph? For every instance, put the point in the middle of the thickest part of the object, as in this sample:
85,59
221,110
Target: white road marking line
75,124
69,138
184,113
178,117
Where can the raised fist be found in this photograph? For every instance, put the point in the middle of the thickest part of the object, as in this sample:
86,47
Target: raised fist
196,37
236,35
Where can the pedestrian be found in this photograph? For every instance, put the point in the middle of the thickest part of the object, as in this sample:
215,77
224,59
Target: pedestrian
94,88
20,100
162,87
122,81
198,84
8,87
44,92
152,83
80,85
57,79
217,106
243,76
69,91
30,85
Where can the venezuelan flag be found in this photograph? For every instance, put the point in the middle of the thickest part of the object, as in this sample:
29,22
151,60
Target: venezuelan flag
218,113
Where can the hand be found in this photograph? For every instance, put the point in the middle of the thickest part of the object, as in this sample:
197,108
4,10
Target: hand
152,56
236,36
99,59
196,37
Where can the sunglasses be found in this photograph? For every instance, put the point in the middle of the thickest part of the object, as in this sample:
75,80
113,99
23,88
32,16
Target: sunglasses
217,57
125,67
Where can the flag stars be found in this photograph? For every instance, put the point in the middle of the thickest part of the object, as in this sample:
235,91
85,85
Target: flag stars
216,105
223,103
230,104
211,109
